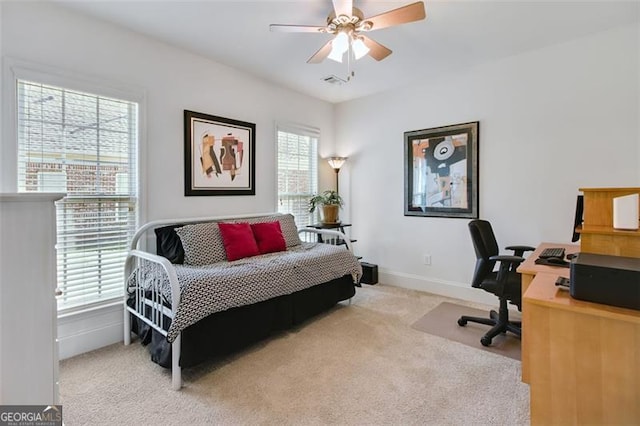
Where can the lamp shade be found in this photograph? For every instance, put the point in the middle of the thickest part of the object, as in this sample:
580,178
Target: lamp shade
336,55
336,162
359,48
339,45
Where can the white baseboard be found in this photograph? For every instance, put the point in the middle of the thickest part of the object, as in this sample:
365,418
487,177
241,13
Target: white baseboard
440,287
90,330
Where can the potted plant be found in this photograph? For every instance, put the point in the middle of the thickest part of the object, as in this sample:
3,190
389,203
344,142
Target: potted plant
330,201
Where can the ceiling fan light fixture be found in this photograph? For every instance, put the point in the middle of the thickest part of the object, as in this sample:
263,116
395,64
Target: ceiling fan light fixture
335,55
359,48
339,46
341,42
346,23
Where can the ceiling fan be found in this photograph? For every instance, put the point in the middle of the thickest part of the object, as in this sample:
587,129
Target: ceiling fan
347,24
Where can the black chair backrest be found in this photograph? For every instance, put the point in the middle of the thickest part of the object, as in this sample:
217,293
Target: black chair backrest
485,245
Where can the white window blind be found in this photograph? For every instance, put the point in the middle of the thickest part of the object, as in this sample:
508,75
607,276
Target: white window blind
297,171
85,145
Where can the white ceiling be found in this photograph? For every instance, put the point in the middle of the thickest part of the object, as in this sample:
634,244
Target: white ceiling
455,35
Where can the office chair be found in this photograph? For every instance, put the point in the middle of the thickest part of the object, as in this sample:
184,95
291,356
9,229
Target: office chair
504,283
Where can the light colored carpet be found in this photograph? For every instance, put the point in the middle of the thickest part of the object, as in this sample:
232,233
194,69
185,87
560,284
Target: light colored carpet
357,364
443,321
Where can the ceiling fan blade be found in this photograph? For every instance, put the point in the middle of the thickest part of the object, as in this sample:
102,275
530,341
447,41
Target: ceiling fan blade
343,7
376,50
402,15
322,53
295,28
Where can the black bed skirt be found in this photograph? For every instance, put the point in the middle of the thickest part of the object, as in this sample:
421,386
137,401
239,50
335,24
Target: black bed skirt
229,331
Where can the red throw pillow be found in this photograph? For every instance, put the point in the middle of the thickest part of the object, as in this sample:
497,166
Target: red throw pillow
269,237
238,240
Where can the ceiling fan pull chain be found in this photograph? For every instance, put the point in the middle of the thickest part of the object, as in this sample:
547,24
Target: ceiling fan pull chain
350,72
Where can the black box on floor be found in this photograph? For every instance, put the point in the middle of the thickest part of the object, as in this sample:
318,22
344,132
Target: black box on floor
611,280
369,273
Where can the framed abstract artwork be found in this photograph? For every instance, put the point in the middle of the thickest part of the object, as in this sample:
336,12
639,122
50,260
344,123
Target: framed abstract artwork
441,171
219,155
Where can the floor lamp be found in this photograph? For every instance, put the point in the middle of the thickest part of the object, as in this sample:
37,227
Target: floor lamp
336,163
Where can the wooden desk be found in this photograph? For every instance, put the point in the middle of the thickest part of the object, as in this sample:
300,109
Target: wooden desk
583,358
528,270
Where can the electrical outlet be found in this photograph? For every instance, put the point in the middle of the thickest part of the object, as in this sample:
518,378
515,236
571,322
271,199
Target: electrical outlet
427,259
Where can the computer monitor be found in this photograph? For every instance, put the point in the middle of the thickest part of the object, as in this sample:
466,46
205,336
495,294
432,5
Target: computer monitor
577,220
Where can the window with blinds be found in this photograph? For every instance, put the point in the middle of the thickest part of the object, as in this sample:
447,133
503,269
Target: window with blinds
297,171
85,145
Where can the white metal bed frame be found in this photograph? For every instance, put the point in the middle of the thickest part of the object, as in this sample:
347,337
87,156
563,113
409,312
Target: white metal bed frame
152,304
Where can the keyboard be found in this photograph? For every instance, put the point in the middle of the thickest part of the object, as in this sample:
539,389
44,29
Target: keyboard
552,252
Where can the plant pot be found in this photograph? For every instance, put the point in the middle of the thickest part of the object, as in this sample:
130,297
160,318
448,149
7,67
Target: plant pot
330,213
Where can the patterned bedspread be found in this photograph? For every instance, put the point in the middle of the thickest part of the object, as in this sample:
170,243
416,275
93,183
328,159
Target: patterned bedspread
224,285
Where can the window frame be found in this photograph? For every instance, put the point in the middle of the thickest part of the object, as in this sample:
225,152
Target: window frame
301,130
14,70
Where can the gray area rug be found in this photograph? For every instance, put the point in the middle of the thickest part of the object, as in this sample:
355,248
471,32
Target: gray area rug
443,321
358,364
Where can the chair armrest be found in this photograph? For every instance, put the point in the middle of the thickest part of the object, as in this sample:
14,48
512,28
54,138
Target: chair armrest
523,248
508,265
519,250
507,259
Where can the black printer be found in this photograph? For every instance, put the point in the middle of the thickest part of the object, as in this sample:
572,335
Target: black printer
611,280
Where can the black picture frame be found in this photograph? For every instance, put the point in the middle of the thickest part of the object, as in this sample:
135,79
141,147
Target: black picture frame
441,171
219,155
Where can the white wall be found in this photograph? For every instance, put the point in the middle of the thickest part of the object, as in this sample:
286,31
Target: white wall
551,121
173,80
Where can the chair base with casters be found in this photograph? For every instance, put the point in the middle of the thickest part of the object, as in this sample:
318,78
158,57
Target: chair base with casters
504,283
499,320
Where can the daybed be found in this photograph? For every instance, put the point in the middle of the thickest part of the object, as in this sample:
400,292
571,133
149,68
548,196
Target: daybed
204,293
